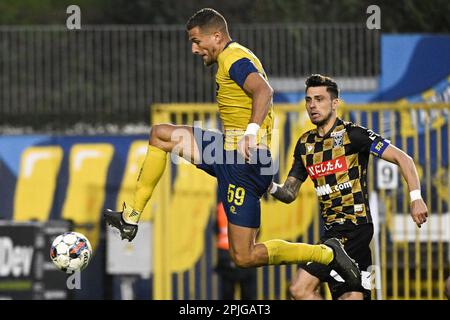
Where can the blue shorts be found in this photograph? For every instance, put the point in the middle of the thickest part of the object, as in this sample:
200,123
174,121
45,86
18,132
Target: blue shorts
241,185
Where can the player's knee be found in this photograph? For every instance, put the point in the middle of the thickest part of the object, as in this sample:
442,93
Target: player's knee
303,292
156,132
160,133
447,288
354,295
242,260
299,292
153,138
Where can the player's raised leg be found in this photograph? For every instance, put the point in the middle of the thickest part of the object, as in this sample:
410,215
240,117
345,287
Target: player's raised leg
164,138
247,253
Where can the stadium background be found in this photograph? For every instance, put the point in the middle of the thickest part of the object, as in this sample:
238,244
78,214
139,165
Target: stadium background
76,107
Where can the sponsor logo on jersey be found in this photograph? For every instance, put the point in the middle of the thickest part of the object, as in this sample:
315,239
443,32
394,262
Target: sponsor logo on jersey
327,167
327,189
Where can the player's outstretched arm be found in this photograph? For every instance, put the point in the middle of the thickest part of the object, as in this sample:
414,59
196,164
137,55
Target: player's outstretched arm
419,211
286,192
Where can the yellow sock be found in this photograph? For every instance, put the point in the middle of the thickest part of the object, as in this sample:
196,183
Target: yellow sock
151,171
283,252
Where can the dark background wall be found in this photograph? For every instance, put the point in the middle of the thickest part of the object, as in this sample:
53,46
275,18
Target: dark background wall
397,16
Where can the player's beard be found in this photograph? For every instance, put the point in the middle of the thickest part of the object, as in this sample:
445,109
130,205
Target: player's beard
210,60
324,122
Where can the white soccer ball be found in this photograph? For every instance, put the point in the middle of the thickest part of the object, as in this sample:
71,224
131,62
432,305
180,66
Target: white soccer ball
71,251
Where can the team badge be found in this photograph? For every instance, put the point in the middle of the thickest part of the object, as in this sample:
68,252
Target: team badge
338,138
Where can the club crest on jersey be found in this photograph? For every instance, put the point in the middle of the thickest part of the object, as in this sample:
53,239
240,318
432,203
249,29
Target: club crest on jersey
338,138
309,147
327,167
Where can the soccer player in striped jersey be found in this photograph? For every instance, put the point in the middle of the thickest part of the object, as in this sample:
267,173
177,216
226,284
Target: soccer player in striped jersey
241,162
335,156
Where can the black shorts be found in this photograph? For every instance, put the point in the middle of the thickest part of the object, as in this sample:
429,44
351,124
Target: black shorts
356,241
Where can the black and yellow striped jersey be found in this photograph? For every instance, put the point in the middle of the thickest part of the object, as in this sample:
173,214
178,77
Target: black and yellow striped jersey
337,164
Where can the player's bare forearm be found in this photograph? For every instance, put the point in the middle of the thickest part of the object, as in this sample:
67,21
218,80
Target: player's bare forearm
406,164
419,210
288,191
261,103
261,93
409,173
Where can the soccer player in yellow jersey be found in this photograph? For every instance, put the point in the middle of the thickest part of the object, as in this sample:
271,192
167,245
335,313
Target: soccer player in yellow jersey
240,158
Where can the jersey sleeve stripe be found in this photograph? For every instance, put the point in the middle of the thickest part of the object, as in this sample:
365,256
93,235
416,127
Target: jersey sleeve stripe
240,69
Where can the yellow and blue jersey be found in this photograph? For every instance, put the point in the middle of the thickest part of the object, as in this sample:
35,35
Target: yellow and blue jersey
241,184
235,63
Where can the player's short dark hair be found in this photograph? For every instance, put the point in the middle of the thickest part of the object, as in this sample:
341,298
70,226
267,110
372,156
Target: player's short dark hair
207,18
318,80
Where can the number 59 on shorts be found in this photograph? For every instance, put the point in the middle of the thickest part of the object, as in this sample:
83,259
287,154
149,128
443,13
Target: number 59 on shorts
235,194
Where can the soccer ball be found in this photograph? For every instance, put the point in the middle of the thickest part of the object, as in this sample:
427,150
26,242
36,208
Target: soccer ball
71,251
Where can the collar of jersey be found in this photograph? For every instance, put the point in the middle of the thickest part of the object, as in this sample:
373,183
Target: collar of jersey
228,43
326,135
